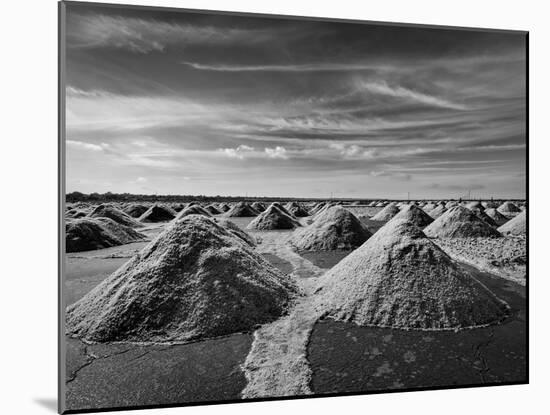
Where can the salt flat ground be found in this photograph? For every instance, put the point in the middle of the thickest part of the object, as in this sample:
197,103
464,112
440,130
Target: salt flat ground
337,357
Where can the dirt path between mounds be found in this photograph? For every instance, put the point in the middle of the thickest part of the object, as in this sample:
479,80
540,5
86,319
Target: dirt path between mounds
277,364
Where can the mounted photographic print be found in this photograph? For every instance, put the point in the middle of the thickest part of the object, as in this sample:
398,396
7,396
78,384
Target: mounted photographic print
268,207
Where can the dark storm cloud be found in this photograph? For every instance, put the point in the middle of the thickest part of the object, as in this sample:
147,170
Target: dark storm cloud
302,105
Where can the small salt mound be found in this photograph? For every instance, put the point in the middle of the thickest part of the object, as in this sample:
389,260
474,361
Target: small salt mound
281,208
258,206
241,209
135,210
107,211
212,209
89,234
387,213
194,281
273,218
236,231
508,207
158,213
223,207
437,211
490,205
414,214
496,216
380,204
193,210
313,211
476,205
516,226
401,279
296,210
428,207
178,207
336,228
460,222
486,218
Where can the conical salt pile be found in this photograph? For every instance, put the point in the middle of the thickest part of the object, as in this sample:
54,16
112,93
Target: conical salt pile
497,217
236,231
437,211
158,213
273,218
483,216
401,279
107,211
414,214
195,280
88,234
135,210
193,210
508,208
387,213
296,210
313,211
212,209
223,207
258,206
336,228
476,205
241,209
516,226
460,222
428,207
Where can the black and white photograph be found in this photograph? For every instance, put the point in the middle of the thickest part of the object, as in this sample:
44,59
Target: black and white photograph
261,207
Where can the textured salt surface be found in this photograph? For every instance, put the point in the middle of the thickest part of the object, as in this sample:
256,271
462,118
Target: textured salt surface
516,226
277,363
196,280
400,279
460,222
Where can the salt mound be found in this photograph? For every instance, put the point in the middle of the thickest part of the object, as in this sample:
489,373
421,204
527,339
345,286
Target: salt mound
437,211
241,209
460,222
223,207
497,217
212,209
273,218
428,207
401,279
89,234
490,205
107,211
296,210
486,218
195,280
135,210
516,226
414,214
336,228
281,208
258,206
387,213
313,211
325,207
236,231
193,210
158,213
476,205
508,207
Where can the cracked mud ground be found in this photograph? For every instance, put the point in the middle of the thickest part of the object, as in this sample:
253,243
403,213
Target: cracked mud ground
342,357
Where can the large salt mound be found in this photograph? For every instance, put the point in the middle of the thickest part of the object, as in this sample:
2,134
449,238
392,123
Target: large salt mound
401,279
273,218
88,234
460,222
496,216
508,207
387,213
135,210
195,280
107,211
193,210
437,211
414,214
296,210
241,209
516,226
158,213
336,228
212,209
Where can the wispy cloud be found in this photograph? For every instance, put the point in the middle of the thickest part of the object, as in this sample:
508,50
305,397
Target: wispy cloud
85,146
310,67
382,88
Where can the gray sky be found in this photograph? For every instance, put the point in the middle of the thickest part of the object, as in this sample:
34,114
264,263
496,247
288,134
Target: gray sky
185,103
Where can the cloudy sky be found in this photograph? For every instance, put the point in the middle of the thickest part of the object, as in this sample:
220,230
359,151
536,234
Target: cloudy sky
187,103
